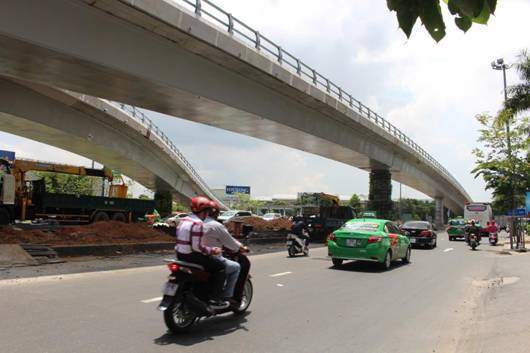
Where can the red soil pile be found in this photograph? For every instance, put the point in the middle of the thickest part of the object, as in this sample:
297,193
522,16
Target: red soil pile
261,225
97,233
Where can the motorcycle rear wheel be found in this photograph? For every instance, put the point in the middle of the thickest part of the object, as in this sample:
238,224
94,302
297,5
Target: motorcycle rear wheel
177,319
291,251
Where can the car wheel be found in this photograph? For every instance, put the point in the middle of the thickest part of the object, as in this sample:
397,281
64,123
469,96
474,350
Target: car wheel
387,262
435,242
451,238
337,262
406,259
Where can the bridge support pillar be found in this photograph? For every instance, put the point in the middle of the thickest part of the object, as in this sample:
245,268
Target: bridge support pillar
163,202
439,212
380,197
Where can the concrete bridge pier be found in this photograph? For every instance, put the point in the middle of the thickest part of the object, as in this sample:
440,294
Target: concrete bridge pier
380,196
439,212
163,202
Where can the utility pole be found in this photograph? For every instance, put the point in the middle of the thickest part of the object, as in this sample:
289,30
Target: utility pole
499,64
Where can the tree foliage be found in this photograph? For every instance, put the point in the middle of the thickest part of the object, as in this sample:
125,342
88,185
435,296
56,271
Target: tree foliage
519,94
356,204
412,209
58,183
465,12
502,174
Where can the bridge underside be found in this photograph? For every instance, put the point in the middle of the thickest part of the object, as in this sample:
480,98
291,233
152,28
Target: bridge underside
65,124
181,76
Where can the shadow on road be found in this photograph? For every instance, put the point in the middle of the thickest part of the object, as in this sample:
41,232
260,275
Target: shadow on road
205,330
368,267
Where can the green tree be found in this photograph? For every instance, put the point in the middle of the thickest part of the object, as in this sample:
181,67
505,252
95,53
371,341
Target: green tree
59,183
355,203
465,12
503,174
244,202
519,94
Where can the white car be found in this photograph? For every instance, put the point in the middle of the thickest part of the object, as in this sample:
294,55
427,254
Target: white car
271,216
228,215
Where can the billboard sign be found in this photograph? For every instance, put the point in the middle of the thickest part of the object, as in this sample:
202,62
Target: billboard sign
232,189
518,212
7,155
528,202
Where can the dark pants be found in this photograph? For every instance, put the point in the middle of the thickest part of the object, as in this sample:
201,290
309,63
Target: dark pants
214,266
243,274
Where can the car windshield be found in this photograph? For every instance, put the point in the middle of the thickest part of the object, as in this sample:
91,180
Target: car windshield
228,213
363,226
416,225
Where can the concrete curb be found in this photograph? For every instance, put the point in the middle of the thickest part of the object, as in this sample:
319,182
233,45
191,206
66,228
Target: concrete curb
123,249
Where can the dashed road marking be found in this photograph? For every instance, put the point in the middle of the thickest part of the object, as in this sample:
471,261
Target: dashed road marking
279,285
448,249
152,300
280,274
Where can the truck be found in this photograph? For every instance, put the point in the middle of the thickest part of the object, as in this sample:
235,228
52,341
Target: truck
324,215
26,198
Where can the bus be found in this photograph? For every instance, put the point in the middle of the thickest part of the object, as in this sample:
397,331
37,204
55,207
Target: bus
479,211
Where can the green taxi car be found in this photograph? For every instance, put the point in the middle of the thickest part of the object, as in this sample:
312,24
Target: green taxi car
456,228
375,240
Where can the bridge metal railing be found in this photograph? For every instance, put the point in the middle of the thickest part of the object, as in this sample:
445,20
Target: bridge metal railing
146,122
248,35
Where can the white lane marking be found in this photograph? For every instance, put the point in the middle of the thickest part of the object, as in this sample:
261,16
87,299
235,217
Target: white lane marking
152,300
279,285
280,274
448,249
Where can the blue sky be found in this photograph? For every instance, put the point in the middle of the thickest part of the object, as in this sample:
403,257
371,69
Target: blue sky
431,91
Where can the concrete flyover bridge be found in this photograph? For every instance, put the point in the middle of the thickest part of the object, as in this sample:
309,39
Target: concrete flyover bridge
193,60
113,134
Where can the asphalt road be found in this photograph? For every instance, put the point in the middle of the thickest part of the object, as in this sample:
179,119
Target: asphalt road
438,303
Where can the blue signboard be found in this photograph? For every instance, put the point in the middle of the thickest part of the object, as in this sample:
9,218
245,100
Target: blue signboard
528,202
9,155
231,190
518,212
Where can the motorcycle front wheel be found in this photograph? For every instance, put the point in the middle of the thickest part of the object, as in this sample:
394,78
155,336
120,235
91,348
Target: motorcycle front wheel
178,319
246,298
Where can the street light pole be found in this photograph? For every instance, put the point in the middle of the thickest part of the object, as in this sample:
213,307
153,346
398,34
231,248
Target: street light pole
499,64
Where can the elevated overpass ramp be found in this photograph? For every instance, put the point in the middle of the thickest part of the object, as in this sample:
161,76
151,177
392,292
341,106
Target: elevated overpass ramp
161,56
102,131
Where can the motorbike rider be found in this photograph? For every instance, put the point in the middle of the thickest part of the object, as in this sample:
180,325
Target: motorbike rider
472,228
191,248
300,229
216,235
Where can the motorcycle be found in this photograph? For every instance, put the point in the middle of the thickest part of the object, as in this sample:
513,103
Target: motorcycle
296,245
493,238
186,295
473,240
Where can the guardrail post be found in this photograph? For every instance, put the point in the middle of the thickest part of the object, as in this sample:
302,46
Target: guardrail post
230,24
258,40
298,67
198,7
314,76
340,94
351,101
328,86
280,54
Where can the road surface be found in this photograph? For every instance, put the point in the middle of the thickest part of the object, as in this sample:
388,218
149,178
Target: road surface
447,300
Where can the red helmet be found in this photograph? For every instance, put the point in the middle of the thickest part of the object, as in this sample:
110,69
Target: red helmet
214,205
200,203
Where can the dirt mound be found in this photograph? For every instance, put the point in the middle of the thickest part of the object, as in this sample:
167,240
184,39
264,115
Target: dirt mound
97,233
261,225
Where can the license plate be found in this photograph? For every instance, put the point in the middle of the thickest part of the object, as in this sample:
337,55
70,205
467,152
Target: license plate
412,240
353,242
290,242
170,288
